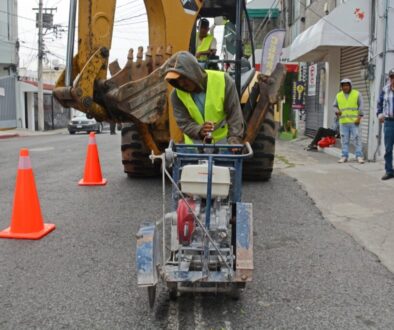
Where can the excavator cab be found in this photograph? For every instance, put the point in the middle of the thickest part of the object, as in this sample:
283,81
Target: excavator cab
137,95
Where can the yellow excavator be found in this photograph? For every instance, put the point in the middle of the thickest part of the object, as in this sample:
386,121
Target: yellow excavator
137,95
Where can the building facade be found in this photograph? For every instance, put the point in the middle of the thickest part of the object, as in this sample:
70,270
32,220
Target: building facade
336,39
8,63
55,116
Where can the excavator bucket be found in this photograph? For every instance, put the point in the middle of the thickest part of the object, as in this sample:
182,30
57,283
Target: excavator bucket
137,94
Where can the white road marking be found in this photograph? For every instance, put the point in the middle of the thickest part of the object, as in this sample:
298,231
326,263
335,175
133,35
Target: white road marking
42,149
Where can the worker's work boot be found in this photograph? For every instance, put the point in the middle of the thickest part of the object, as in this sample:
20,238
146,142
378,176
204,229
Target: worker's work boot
342,160
311,148
387,176
360,160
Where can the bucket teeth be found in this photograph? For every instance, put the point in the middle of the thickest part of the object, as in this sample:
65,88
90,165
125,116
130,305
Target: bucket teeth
137,91
130,55
114,67
168,51
139,66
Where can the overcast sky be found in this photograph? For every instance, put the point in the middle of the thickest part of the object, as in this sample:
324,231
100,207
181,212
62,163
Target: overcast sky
128,33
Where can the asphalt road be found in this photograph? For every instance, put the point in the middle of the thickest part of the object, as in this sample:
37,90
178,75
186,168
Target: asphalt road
308,275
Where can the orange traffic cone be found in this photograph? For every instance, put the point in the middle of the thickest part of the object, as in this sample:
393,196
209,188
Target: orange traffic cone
26,220
92,175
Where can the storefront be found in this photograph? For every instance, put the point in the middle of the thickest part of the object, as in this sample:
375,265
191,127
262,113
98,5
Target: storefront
335,47
55,116
353,64
315,98
7,102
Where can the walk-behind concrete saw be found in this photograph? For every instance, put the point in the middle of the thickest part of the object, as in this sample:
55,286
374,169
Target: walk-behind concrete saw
207,239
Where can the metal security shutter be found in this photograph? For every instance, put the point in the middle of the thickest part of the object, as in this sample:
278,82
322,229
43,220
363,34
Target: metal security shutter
60,116
55,116
313,108
7,102
352,59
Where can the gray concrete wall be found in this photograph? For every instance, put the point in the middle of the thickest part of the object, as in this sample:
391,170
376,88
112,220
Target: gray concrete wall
381,69
8,32
333,60
316,10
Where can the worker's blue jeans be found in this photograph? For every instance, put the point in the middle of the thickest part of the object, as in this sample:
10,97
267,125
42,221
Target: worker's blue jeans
350,131
388,146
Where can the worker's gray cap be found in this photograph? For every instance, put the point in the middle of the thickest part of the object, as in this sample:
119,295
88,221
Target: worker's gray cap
391,73
346,81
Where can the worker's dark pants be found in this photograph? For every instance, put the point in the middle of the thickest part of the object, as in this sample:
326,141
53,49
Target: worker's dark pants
321,133
388,146
112,128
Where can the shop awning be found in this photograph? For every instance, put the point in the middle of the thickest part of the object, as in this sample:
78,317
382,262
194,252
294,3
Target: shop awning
263,9
346,26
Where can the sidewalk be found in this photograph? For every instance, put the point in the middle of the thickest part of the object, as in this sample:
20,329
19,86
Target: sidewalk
17,132
351,196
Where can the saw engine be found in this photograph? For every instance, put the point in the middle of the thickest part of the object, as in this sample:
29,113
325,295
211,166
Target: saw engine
194,184
189,231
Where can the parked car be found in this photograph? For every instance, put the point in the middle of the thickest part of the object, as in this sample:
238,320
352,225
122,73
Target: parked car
81,123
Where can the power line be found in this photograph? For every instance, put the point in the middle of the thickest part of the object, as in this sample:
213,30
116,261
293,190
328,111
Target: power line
267,18
16,15
129,18
23,46
57,56
131,23
56,3
127,4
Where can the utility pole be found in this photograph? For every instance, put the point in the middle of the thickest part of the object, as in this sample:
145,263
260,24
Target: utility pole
43,20
40,99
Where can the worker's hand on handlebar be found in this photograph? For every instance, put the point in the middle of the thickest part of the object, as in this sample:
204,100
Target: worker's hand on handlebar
358,121
338,113
381,118
206,128
235,140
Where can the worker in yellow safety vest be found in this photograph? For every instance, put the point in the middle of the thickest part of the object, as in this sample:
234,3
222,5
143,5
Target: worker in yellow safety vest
348,106
205,42
205,102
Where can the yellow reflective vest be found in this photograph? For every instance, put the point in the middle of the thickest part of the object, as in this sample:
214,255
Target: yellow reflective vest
204,46
348,106
214,105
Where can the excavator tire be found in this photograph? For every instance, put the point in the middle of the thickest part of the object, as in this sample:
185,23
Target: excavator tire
135,155
259,168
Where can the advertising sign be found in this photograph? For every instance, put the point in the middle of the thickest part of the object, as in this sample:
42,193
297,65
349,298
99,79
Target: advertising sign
298,95
312,74
272,48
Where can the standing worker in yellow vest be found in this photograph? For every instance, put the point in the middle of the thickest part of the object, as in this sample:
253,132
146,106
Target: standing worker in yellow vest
205,102
205,43
348,104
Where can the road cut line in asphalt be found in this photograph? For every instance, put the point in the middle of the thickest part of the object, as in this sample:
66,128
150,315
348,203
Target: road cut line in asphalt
199,324
173,315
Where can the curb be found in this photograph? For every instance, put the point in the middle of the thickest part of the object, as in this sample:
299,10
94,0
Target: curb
6,136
